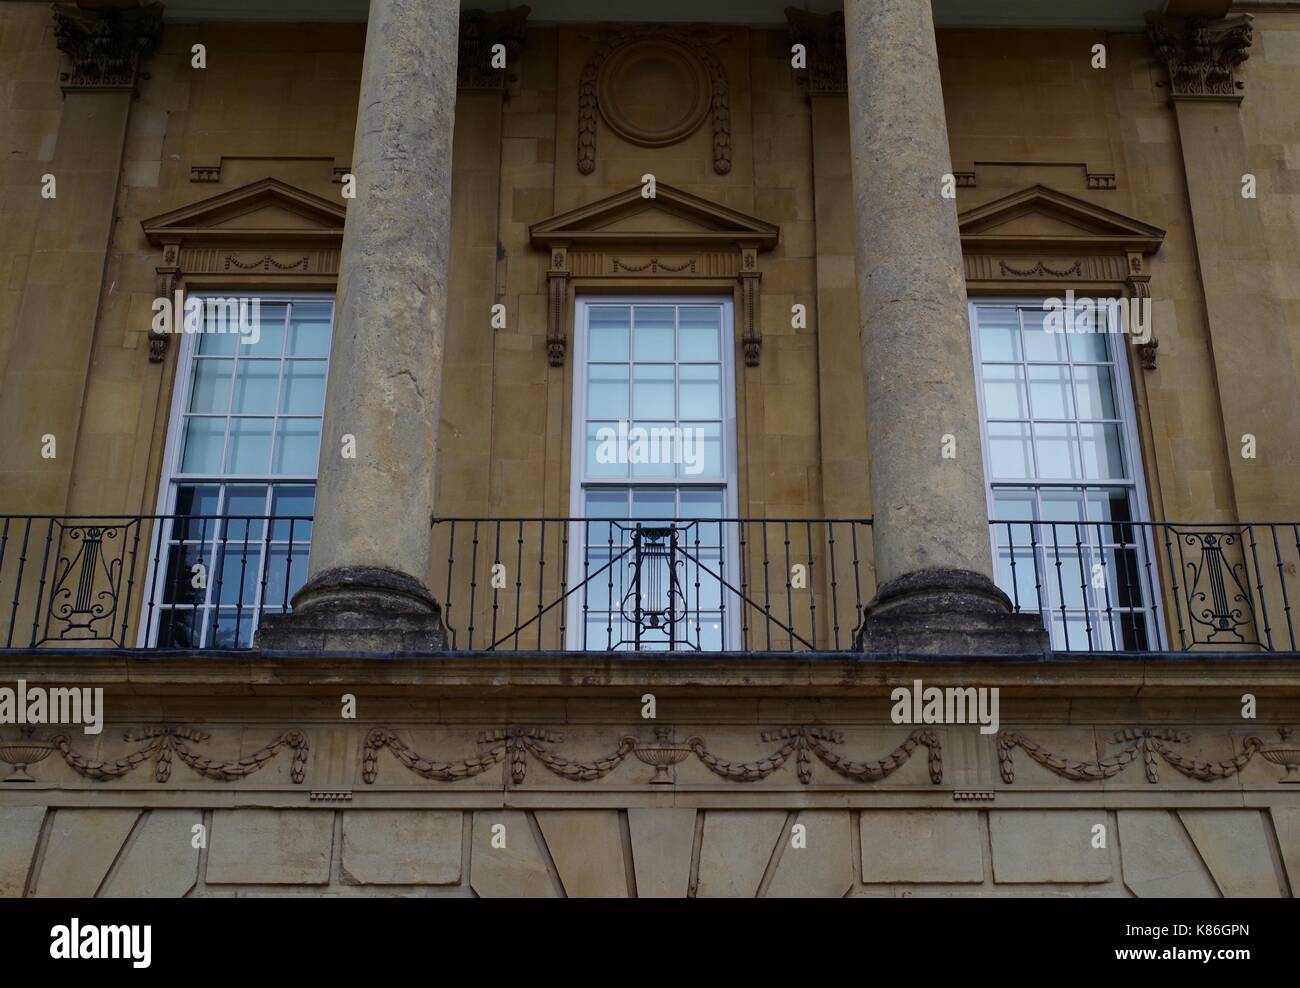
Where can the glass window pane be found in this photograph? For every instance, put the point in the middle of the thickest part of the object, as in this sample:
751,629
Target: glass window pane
607,393
697,503
211,390
303,391
270,342
1096,393
605,455
1090,346
1049,392
654,504
709,463
284,575
309,329
1058,451
202,445
250,502
249,448
653,449
701,330
1065,506
999,332
653,333
701,391
1103,456
256,384
1039,343
297,446
291,504
652,391
1009,453
1004,391
608,332
222,344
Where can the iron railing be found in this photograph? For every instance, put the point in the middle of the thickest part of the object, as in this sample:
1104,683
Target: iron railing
733,584
1154,586
560,584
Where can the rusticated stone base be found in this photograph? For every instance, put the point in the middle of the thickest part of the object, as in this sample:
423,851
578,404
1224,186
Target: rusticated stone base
361,609
948,612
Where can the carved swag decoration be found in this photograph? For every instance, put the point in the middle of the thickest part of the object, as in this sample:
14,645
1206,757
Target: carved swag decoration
161,744
519,743
1143,742
106,45
698,42
1202,54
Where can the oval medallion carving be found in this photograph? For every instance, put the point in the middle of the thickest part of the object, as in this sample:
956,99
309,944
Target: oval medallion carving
654,92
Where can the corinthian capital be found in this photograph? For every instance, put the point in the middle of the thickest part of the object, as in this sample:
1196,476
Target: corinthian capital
480,32
823,37
106,41
1202,54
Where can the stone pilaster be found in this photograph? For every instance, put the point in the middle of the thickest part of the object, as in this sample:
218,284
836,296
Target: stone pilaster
370,546
43,385
1245,315
932,547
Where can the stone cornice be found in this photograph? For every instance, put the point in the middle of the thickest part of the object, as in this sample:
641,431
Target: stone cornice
1202,54
1062,677
106,43
823,37
480,32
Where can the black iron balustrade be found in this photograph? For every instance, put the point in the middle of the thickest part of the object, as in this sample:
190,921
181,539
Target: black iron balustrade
151,581
1153,586
602,584
599,584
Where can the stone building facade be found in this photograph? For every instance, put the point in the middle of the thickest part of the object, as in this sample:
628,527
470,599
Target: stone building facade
411,632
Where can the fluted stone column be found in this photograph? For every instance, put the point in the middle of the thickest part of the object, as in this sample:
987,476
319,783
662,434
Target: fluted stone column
933,556
371,539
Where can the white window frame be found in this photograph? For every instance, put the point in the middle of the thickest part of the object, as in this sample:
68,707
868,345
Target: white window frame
171,477
1132,452
579,483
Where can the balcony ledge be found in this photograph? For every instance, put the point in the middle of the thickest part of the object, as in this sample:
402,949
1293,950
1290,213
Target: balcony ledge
805,674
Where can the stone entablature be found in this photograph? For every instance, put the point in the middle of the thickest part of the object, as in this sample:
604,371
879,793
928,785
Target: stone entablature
699,800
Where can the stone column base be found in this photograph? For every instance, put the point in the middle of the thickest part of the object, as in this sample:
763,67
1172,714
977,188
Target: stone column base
948,611
358,609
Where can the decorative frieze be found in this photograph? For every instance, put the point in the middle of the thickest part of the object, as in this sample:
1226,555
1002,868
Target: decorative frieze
106,45
480,32
1202,54
516,745
1145,743
822,35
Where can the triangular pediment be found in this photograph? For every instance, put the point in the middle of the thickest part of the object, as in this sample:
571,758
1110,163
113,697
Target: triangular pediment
1045,219
670,217
267,211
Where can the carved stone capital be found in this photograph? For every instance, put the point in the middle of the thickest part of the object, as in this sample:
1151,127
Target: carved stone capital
822,35
106,43
480,32
1202,54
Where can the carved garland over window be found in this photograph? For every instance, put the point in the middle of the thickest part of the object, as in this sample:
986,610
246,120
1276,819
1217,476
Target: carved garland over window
1106,255
1202,54
693,44
298,247
106,46
600,242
